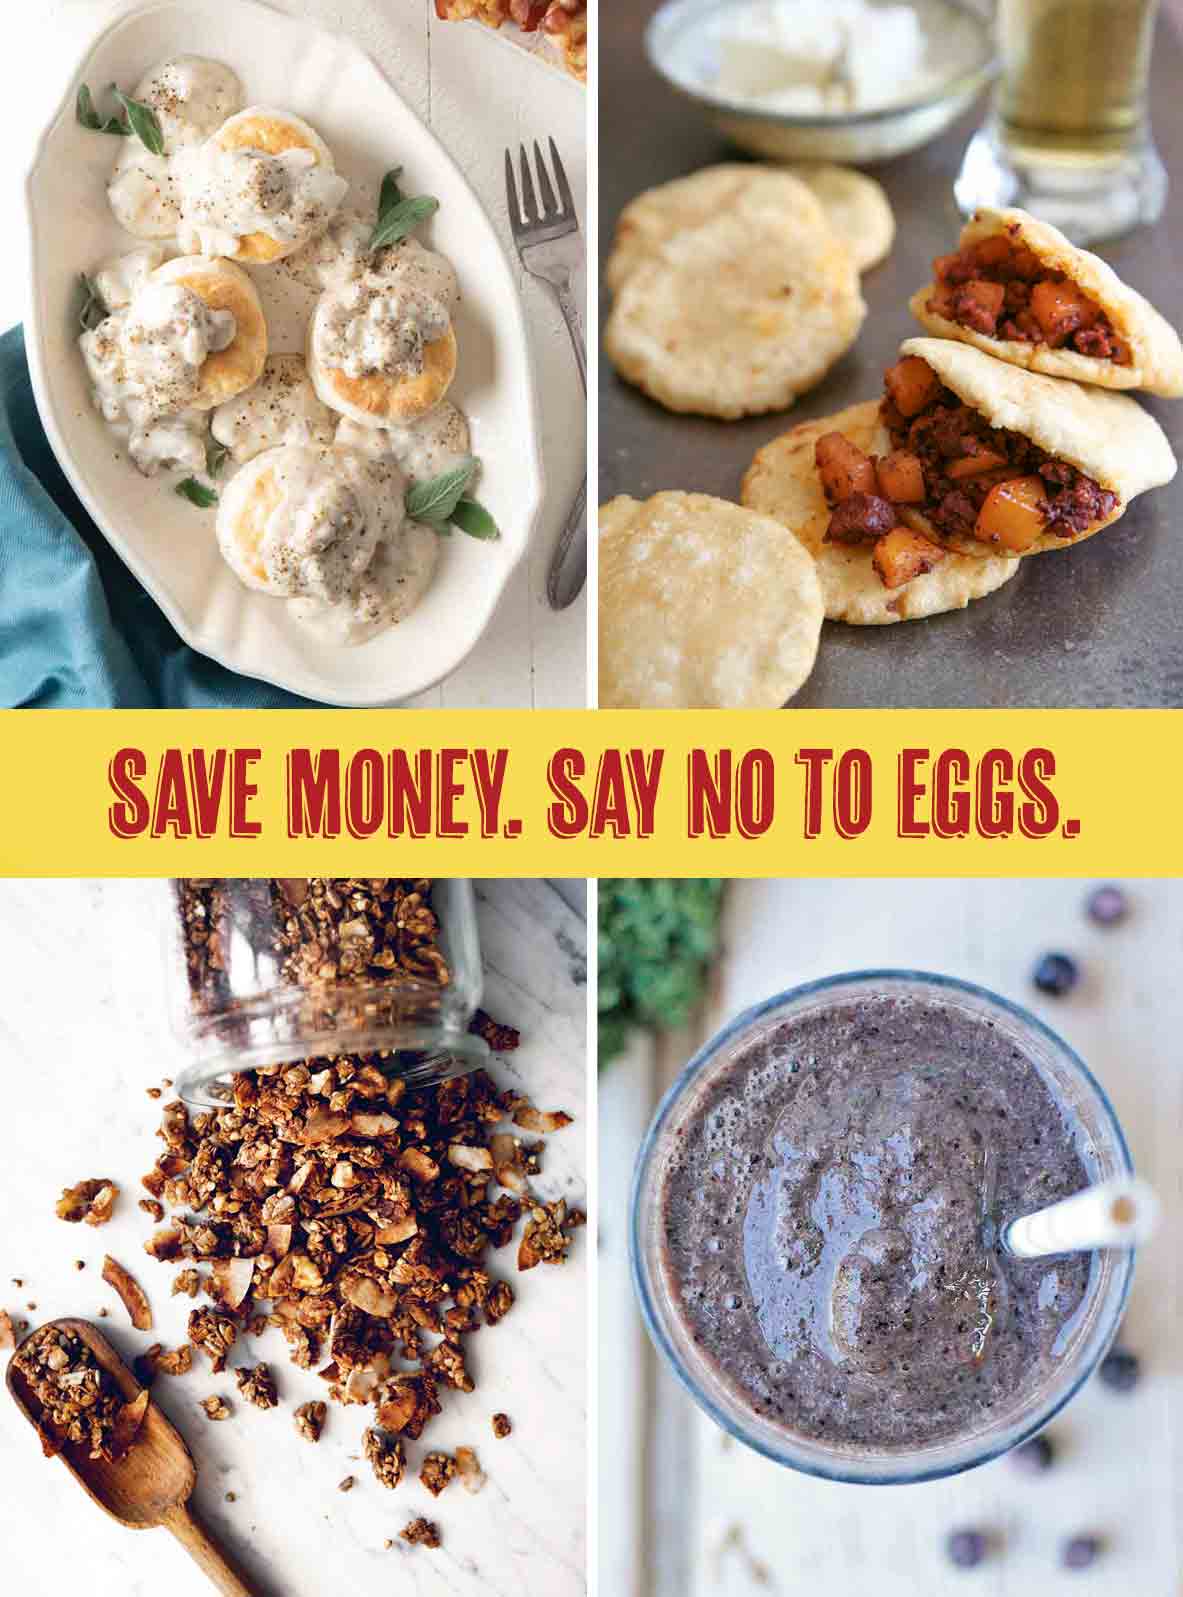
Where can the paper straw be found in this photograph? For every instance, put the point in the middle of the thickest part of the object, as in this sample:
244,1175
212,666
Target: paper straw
1114,1214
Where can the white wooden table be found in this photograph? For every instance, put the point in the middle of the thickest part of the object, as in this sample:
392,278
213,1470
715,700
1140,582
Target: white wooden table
478,96
83,1035
684,1513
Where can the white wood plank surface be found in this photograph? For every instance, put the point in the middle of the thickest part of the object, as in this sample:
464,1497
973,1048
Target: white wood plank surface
478,96
748,1528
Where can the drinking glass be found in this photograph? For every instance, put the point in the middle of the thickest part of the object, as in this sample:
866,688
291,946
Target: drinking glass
1068,136
1102,1147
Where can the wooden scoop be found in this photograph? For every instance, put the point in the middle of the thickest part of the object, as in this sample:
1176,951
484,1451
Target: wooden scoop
152,1482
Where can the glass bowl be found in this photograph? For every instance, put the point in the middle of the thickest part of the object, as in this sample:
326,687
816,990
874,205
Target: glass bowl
1091,1331
682,43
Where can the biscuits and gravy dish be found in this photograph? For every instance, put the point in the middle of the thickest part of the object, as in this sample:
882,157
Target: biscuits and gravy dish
335,467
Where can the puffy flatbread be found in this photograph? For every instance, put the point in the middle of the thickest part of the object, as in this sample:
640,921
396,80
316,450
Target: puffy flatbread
1156,363
703,605
1107,436
782,481
737,316
856,208
657,214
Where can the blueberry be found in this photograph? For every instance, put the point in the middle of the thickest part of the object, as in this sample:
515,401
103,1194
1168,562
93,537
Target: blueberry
1081,1552
1056,973
1107,905
966,1548
1120,1369
1035,1456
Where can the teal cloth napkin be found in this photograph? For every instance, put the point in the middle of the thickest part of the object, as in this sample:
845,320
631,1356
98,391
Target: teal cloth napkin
76,629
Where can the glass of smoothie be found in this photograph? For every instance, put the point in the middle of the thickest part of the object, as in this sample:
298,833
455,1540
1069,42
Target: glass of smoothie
816,1225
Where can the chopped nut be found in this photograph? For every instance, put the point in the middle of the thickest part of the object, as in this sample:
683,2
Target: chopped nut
310,1418
501,1425
152,1207
257,1385
91,1201
406,1403
216,1408
472,1477
187,1282
80,1264
437,1472
347,1484
131,1294
501,1039
156,1361
531,1119
420,1533
386,1457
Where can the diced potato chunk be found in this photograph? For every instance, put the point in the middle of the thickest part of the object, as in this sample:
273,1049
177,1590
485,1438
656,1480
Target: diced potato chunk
986,298
975,465
994,251
911,385
1061,309
843,467
901,478
1012,514
901,554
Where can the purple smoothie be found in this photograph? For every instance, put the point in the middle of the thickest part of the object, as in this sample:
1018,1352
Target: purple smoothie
829,1219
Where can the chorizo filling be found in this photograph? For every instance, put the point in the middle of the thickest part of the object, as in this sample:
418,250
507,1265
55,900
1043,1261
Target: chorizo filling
1001,289
948,465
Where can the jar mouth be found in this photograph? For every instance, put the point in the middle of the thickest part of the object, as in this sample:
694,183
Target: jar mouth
1107,1293
422,1056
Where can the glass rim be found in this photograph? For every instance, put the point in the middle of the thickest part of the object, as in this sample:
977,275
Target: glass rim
912,1468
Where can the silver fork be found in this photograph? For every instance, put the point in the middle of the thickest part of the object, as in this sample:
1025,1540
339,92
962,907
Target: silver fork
550,246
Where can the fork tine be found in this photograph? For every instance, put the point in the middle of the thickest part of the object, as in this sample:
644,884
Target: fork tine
549,206
529,203
561,179
511,194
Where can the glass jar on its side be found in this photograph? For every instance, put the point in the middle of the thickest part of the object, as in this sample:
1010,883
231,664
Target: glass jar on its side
269,970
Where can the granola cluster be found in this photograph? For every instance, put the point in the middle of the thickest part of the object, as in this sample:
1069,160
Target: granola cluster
77,1400
421,1533
315,930
257,1385
310,1419
92,1201
356,1215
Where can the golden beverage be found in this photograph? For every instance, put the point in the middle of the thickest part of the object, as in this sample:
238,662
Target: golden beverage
1074,74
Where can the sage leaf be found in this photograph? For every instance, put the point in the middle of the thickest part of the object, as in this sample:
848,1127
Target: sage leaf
141,119
215,456
93,309
197,493
402,219
390,194
474,519
88,117
435,500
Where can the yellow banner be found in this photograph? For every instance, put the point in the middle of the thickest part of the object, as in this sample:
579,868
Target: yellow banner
807,793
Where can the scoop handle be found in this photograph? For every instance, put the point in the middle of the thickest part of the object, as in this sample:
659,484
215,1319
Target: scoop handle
206,1553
